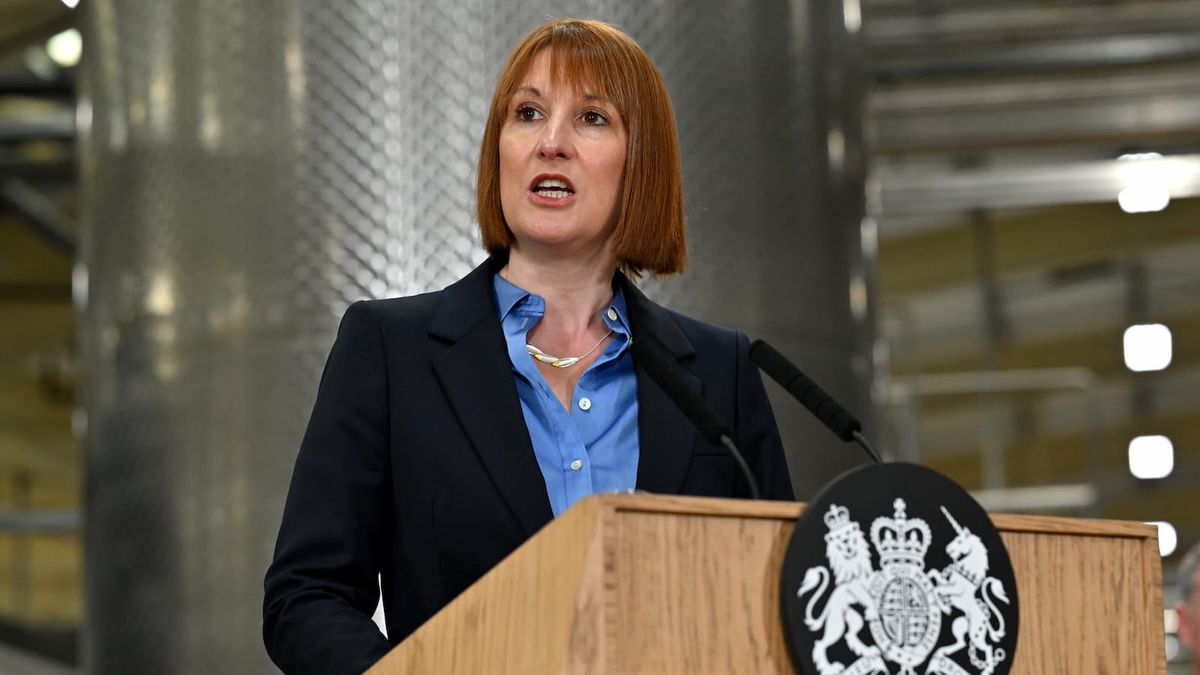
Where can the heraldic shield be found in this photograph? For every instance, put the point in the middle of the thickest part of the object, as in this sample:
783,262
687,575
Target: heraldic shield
927,587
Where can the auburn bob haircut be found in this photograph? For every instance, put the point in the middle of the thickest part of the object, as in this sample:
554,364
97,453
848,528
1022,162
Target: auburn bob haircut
595,56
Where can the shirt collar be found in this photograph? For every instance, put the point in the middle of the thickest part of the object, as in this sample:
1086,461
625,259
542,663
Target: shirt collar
619,324
509,296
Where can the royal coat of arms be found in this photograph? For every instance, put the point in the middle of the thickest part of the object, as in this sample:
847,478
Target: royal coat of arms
891,618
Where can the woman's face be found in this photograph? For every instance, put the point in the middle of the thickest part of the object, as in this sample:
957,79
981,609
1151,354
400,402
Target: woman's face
562,160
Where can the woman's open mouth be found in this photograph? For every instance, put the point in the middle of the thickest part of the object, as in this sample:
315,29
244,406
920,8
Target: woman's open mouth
552,190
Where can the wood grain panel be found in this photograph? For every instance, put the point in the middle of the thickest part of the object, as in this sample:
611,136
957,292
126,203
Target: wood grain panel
696,593
650,584
524,616
1078,594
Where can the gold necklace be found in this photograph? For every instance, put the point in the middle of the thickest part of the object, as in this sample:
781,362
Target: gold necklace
563,362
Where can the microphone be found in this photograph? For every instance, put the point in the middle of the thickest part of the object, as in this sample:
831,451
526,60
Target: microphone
844,425
667,374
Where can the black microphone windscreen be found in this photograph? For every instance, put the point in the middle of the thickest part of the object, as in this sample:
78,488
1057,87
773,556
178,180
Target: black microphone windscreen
670,376
831,414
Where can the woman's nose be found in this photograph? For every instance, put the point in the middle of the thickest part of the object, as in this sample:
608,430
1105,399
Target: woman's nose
554,142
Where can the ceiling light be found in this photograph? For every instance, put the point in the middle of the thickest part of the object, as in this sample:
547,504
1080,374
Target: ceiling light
65,48
1137,156
70,3
1167,538
1151,457
160,297
1147,347
852,15
1145,181
1143,198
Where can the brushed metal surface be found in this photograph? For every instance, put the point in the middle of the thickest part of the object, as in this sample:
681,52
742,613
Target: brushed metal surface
769,98
249,168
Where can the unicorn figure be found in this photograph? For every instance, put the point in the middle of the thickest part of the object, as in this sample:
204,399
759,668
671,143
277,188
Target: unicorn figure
964,585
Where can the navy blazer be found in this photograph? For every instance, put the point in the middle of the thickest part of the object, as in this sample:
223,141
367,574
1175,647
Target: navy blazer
417,465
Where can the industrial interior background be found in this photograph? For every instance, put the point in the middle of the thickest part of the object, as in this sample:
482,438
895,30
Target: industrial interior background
949,211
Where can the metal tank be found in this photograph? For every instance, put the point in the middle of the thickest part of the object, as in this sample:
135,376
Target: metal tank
251,167
768,99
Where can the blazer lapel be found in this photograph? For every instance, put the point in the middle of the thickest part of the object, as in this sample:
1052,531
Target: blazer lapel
665,435
477,377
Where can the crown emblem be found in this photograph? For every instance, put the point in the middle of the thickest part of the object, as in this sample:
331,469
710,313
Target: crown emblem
841,528
837,517
899,540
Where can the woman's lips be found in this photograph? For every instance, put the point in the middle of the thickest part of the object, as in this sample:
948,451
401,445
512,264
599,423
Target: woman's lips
551,198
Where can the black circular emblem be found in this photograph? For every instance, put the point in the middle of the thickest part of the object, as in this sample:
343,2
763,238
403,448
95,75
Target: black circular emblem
895,569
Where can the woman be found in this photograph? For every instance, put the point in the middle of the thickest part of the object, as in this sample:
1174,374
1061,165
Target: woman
449,427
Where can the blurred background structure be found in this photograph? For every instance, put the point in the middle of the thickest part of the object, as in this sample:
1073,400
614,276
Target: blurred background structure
1010,190
1036,169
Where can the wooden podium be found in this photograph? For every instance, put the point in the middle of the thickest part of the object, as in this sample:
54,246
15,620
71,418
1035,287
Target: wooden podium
657,584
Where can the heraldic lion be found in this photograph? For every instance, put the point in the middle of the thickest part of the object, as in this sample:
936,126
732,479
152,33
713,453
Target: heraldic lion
848,555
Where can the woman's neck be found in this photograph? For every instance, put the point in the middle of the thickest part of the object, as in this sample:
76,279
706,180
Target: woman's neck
575,290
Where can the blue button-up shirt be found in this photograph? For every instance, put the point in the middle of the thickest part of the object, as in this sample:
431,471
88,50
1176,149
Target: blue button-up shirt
594,447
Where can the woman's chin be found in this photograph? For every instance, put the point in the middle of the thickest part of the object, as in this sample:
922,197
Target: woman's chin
562,239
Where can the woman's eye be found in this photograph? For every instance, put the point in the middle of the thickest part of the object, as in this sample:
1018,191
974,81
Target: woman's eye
527,113
594,118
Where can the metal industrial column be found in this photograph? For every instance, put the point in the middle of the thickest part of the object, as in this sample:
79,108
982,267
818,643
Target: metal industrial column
768,96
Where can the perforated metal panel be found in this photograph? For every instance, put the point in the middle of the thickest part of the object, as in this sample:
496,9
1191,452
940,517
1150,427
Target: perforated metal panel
249,168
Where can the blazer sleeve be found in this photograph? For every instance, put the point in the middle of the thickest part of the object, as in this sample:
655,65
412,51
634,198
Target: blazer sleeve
322,588
757,434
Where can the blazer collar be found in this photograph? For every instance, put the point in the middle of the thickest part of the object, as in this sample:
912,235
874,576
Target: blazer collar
665,435
649,318
463,305
476,375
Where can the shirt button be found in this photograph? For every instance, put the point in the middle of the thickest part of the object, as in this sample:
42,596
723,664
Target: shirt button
585,404
612,314
577,465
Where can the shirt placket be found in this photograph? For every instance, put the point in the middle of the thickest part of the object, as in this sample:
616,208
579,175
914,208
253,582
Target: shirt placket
572,456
